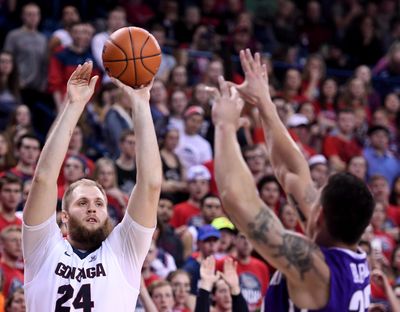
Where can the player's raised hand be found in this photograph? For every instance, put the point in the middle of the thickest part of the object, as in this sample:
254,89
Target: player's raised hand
227,104
255,88
80,86
139,96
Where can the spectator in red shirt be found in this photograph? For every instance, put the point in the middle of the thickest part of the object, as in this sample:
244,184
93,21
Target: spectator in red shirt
340,146
198,178
10,258
253,274
10,197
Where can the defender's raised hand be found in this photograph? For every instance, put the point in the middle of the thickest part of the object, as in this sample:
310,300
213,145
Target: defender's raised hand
227,104
80,86
255,88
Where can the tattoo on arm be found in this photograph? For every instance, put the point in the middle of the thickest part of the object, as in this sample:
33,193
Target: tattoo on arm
295,249
260,227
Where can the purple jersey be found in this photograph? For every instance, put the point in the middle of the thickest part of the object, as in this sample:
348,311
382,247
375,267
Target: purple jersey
349,291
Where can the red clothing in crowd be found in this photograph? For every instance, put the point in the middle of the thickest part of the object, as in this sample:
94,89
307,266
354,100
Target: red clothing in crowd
4,223
183,212
13,278
336,145
254,280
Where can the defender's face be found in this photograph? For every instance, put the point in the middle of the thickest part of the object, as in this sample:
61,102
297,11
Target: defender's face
88,206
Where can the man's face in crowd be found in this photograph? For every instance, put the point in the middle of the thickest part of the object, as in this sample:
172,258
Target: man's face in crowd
29,151
10,196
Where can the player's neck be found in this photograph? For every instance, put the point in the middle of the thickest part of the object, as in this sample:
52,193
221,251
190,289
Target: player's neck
328,241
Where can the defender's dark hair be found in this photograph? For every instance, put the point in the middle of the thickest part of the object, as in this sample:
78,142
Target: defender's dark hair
348,205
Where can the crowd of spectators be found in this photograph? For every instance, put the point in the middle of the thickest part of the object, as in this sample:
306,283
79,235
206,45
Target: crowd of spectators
334,74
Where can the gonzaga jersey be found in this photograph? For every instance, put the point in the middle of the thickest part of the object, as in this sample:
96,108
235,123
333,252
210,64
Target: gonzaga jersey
107,279
349,285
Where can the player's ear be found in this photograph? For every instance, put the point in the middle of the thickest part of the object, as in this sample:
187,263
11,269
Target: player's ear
64,217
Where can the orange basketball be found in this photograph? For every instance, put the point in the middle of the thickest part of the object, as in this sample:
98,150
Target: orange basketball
132,55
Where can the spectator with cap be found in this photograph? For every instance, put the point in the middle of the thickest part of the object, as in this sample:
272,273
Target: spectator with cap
193,149
298,125
228,233
379,158
319,170
208,241
210,208
198,178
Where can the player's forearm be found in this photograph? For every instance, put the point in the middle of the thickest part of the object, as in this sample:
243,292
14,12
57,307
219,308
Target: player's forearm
233,177
284,154
148,159
55,149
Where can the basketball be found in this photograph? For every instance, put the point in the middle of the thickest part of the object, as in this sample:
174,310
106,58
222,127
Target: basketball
132,55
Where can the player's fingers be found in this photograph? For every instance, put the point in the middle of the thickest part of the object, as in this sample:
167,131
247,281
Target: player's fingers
76,72
87,70
223,86
93,81
213,92
234,92
116,82
250,59
257,62
244,62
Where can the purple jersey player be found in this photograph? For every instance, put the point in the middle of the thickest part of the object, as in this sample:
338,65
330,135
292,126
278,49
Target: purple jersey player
349,290
323,271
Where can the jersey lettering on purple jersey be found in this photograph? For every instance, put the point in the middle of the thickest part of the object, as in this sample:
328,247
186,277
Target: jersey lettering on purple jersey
350,288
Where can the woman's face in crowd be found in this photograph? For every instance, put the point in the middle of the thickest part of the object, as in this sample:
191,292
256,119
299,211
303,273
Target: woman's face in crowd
181,287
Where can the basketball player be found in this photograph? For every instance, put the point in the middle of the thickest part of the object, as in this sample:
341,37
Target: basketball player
94,268
324,271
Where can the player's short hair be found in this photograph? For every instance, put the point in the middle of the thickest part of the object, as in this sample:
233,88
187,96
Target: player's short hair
66,200
158,284
9,229
348,205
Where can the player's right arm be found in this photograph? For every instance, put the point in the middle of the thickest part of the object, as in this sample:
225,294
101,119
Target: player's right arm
42,199
289,164
294,255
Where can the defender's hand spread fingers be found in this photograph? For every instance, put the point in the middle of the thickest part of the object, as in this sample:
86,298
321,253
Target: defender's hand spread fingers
117,82
243,61
234,92
223,86
250,59
76,72
213,92
257,61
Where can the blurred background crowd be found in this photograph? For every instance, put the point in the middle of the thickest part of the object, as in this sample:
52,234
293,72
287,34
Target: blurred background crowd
334,75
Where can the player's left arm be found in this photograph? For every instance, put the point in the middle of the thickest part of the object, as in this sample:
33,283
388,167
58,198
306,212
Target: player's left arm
296,256
142,205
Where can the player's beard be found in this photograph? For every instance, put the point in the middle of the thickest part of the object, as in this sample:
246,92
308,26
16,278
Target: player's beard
90,239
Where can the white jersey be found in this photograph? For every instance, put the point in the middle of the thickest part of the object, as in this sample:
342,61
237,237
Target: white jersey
108,279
